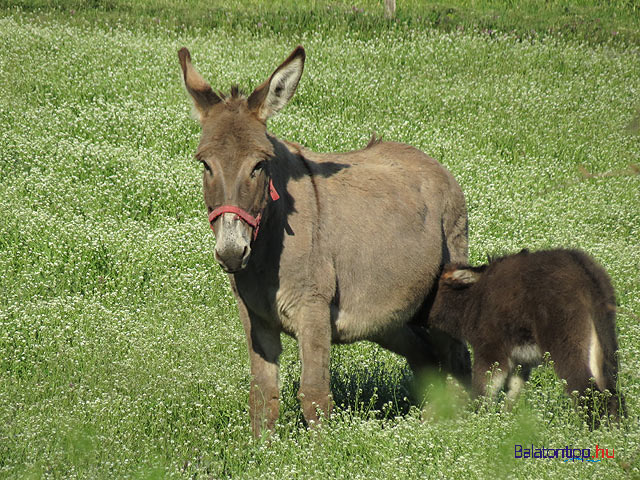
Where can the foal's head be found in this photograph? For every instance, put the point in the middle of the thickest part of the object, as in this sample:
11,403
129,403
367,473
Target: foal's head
235,151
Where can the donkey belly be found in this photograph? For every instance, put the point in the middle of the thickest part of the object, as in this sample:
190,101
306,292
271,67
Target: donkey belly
350,326
387,289
388,258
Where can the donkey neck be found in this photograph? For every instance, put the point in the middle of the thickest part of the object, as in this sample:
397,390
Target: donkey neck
286,163
301,179
269,269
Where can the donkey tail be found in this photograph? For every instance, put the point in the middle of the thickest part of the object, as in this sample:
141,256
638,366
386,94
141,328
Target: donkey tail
604,337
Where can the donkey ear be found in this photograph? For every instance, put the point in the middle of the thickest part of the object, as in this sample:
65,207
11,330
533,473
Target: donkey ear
203,96
460,277
270,97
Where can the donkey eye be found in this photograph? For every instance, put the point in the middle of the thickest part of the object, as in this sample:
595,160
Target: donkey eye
257,169
206,166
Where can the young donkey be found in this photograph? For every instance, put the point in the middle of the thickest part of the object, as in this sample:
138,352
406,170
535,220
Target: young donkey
324,247
520,306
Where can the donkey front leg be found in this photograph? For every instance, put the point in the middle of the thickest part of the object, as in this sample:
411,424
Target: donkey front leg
264,350
488,379
314,339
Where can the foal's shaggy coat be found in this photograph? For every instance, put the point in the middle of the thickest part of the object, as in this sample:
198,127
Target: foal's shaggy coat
520,306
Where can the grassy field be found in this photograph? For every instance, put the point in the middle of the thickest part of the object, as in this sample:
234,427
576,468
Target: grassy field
616,21
121,354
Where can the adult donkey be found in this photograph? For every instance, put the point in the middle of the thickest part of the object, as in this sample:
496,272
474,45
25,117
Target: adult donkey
324,247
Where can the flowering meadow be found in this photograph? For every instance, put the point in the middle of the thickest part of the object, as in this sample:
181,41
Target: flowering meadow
121,352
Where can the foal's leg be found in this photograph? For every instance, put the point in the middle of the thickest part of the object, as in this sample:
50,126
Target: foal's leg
517,378
515,382
496,379
314,341
265,347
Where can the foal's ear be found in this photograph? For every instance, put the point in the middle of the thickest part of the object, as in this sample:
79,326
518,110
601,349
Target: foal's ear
203,96
270,97
460,277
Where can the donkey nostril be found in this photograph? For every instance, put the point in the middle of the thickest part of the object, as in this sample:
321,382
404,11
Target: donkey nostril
245,252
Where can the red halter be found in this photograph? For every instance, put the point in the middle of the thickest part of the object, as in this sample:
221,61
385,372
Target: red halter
243,214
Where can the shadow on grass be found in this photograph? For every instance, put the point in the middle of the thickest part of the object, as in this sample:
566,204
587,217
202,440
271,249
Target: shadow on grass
375,390
380,385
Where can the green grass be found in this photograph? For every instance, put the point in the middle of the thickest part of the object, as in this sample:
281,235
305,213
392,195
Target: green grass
121,354
615,21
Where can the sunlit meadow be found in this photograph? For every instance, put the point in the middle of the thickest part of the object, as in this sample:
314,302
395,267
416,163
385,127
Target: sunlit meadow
121,354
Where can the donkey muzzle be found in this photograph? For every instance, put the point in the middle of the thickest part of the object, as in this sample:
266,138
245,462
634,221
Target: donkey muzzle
233,241
233,238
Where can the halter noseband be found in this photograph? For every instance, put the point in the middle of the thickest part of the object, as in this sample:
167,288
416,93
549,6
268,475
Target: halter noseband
249,219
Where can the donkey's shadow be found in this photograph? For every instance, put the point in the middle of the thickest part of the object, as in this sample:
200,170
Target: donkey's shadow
376,384
374,390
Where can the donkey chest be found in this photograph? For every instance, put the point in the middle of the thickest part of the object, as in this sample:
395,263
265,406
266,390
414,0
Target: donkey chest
273,303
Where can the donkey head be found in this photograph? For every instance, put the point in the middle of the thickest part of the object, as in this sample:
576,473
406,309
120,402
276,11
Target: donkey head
447,311
454,281
235,151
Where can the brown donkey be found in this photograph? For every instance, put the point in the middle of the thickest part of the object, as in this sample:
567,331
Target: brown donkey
520,306
324,247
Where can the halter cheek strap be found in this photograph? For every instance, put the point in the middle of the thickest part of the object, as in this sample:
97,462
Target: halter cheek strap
249,219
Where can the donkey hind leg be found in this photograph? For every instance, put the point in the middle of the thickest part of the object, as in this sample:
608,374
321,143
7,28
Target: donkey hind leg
518,376
578,370
578,376
419,355
425,350
616,406
603,365
457,240
452,355
314,342
515,381
405,342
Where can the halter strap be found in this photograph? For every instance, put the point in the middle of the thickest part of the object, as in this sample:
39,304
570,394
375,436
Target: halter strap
249,219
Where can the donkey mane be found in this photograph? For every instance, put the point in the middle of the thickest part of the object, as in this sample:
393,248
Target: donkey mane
375,140
493,258
235,93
